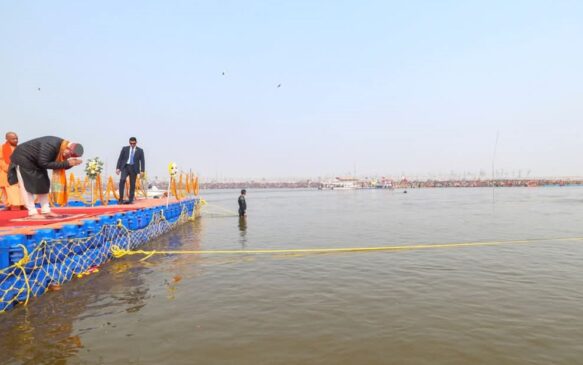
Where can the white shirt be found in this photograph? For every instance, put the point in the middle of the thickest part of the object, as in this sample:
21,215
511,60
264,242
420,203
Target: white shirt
130,155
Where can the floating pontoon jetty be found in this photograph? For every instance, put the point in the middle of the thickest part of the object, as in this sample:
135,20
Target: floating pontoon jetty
40,255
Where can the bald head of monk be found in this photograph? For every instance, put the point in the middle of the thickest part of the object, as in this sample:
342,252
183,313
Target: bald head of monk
12,139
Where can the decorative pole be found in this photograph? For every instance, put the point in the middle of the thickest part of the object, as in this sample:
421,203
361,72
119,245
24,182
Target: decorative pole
168,192
172,171
93,168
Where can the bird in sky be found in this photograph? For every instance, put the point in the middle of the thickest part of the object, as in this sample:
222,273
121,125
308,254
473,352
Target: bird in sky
278,85
39,89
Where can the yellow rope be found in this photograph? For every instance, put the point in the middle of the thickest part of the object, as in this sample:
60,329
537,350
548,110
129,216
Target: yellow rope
223,212
20,264
119,252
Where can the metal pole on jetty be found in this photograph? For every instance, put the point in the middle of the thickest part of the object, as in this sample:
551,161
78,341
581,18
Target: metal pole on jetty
168,192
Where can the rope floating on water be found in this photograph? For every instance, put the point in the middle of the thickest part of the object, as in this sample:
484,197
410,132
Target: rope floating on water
222,211
119,252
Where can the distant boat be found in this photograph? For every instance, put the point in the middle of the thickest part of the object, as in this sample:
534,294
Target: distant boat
156,193
383,184
340,183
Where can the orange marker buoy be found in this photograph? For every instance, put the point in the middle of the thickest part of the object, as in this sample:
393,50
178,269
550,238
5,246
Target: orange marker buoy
54,287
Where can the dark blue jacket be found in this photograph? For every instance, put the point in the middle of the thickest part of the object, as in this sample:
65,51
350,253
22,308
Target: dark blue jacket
139,160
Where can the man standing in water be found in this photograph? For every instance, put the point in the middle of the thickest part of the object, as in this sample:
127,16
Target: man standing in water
242,204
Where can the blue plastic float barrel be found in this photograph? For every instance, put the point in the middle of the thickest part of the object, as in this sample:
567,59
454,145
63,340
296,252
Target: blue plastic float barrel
132,221
39,281
120,218
69,231
14,241
45,234
90,226
4,254
74,241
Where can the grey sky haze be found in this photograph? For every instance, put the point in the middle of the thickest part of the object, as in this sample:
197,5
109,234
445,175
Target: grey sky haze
380,87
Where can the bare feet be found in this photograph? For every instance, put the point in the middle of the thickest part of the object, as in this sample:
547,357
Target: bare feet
53,215
35,217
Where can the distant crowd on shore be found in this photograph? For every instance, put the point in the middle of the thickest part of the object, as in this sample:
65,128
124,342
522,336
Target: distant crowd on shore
409,184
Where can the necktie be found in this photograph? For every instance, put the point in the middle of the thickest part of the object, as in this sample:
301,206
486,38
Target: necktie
132,156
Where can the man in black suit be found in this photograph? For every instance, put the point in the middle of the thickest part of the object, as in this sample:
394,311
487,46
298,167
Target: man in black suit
131,162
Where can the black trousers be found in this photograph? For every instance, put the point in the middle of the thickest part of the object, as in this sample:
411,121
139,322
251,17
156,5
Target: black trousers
127,170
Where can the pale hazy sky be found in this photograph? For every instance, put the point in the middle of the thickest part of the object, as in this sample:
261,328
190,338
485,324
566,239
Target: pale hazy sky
380,87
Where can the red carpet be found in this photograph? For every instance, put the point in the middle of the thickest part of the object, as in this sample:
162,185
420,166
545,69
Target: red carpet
19,218
15,221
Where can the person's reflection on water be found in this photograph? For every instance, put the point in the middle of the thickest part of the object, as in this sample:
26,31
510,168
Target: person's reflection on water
197,229
243,231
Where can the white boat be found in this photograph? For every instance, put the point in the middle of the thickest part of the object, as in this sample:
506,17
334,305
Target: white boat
339,183
156,193
383,184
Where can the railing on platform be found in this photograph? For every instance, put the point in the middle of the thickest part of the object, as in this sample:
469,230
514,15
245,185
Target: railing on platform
95,192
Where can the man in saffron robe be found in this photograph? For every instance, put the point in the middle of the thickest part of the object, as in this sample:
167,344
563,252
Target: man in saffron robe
8,193
30,162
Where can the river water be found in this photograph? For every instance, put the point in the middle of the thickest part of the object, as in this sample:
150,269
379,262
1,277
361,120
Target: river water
513,303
